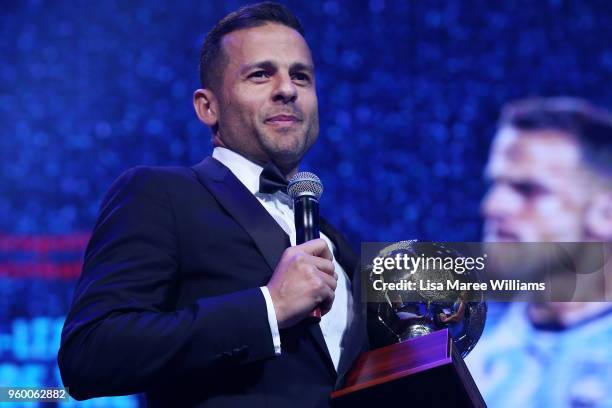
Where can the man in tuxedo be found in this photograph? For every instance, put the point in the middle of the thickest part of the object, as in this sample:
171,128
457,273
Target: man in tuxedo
193,290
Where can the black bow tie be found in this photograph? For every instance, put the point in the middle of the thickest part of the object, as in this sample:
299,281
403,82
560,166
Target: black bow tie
272,180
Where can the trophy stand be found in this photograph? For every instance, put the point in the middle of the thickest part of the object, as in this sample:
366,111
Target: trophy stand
425,371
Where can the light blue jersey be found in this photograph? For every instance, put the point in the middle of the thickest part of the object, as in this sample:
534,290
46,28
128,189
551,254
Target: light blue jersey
518,365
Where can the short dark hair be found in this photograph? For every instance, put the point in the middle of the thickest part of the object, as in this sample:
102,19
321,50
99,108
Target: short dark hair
591,126
212,60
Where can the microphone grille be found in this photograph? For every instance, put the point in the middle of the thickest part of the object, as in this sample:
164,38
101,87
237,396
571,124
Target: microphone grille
305,183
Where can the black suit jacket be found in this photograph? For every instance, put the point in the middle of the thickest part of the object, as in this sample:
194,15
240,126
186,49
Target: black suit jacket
169,303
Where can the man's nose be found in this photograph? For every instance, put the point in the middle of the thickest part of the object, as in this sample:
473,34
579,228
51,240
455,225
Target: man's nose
285,90
500,202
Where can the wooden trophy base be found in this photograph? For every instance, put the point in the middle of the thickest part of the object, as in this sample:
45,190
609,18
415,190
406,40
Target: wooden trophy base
422,372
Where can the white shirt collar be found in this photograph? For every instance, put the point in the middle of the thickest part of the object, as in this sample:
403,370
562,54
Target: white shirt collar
248,173
245,170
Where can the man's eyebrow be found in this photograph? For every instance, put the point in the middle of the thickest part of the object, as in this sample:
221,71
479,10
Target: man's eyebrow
271,66
267,65
299,66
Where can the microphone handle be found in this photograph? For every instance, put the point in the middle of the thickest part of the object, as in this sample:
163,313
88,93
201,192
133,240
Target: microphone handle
306,214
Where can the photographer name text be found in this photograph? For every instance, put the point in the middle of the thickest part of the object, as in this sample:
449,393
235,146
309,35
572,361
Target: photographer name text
428,285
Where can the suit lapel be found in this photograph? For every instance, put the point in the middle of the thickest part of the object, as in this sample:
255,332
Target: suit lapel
355,339
344,254
267,235
317,335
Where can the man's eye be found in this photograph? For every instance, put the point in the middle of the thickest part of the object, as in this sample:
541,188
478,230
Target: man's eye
301,77
528,189
259,75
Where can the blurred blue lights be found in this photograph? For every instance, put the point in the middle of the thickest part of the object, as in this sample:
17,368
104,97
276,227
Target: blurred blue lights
409,94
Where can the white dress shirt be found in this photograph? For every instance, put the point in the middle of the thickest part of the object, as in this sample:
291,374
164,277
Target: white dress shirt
280,206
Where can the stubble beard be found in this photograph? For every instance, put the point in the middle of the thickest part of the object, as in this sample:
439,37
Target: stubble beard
287,147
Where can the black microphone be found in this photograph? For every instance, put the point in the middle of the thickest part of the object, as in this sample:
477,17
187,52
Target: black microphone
305,189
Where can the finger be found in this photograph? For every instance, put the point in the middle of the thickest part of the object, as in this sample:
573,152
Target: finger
329,281
317,247
327,303
324,265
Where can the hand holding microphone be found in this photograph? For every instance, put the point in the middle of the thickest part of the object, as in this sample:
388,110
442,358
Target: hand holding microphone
304,280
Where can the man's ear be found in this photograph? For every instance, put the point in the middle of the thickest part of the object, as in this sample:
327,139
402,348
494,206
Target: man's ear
206,106
599,216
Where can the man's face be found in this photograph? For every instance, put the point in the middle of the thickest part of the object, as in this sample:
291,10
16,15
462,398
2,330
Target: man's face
539,188
267,103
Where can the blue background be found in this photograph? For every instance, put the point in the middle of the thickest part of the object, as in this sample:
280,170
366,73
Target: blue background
409,93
